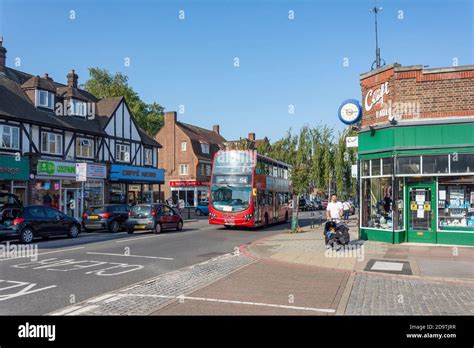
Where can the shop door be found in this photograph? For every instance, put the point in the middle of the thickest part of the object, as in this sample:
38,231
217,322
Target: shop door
72,203
421,224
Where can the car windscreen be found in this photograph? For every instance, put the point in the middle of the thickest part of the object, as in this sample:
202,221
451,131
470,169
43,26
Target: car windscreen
140,211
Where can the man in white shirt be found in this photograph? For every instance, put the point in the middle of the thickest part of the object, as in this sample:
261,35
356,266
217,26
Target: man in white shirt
334,210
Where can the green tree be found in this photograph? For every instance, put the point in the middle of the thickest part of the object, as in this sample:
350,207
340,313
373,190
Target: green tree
103,84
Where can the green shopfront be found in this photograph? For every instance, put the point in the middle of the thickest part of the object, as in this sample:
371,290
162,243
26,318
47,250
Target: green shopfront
417,173
14,175
423,195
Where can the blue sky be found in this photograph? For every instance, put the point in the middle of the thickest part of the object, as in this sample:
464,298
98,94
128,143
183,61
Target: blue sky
190,62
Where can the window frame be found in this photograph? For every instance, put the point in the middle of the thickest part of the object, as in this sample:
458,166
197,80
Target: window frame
149,151
48,144
2,132
205,146
79,141
49,99
117,151
185,147
181,166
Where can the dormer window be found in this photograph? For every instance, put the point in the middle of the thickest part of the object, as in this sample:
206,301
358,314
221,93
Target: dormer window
205,148
78,108
44,99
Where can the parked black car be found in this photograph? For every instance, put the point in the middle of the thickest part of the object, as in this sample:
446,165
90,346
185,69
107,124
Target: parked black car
112,217
318,205
37,221
154,217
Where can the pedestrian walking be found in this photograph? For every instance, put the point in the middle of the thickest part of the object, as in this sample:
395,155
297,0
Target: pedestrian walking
181,205
334,210
346,207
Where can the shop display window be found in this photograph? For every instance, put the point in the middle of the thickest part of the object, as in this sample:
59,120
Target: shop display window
456,203
365,167
46,192
387,166
376,169
377,203
409,165
435,164
462,163
93,193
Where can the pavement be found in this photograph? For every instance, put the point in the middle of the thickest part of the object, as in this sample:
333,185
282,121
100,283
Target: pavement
294,274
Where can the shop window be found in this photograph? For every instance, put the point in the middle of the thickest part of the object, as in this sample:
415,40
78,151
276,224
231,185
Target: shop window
456,203
51,143
408,165
387,166
84,148
377,203
122,153
9,137
376,169
462,163
435,164
398,205
46,192
365,165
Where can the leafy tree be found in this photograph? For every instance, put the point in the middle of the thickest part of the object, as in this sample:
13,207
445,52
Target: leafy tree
103,84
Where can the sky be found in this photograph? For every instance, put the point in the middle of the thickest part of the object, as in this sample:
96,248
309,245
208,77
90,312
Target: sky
297,60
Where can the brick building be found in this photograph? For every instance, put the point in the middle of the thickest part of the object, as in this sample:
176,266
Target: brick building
416,152
187,158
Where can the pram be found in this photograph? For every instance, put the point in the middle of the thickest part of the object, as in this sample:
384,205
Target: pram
339,238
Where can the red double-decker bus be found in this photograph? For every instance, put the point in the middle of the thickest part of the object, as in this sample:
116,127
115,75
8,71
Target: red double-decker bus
248,189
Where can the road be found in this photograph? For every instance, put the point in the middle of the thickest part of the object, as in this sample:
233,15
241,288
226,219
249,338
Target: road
68,271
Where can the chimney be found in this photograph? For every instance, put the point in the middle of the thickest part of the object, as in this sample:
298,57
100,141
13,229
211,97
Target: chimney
3,57
72,79
170,117
216,129
46,77
252,136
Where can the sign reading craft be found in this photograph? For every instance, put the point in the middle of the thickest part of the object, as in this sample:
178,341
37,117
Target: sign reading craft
137,174
376,100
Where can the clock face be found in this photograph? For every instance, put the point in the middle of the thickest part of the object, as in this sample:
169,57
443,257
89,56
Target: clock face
349,112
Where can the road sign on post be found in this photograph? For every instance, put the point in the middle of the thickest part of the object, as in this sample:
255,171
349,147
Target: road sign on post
81,171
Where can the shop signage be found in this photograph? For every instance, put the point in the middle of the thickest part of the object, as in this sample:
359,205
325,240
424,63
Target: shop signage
137,174
376,96
68,169
81,171
352,141
183,183
350,111
10,169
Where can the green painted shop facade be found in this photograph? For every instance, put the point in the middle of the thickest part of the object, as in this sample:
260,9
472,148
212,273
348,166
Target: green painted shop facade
417,182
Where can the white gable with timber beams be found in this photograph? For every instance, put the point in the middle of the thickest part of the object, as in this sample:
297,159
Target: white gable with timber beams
122,125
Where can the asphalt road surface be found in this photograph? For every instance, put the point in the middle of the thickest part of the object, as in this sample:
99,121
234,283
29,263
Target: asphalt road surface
68,271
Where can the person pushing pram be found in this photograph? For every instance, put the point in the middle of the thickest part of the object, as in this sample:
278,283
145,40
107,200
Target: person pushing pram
336,235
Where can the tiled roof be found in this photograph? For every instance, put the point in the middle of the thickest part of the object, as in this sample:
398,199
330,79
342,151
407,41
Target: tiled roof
200,135
15,104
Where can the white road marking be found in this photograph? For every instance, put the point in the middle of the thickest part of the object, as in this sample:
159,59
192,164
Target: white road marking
146,257
131,239
26,289
387,266
248,303
83,310
66,310
100,298
49,252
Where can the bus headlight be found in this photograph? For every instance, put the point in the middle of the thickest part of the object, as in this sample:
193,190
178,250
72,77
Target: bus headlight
248,217
212,215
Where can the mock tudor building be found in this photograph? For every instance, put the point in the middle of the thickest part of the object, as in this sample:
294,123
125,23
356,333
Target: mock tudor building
46,128
187,157
416,152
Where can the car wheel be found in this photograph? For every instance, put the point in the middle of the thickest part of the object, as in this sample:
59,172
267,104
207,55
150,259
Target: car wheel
73,231
158,228
26,236
198,212
114,226
179,227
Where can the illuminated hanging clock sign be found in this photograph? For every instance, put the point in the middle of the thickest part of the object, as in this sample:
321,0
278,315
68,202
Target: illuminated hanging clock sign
350,111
